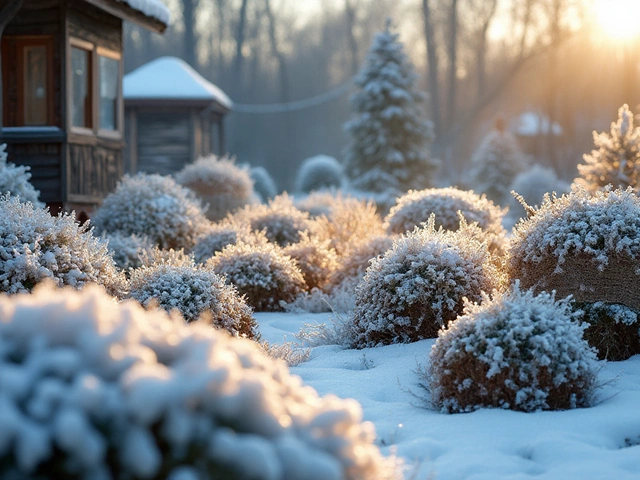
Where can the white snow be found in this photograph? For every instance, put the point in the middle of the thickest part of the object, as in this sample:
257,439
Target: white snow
171,78
597,443
531,124
151,8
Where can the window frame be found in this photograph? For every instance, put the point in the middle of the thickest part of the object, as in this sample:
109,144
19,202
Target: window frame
18,44
95,51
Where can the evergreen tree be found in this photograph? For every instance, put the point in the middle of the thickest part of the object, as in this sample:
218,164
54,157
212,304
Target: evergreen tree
495,164
617,158
388,150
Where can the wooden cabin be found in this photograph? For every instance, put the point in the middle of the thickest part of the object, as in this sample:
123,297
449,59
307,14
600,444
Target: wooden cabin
173,116
62,103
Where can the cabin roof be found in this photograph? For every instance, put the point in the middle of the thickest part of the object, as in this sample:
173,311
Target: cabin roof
172,79
151,8
151,14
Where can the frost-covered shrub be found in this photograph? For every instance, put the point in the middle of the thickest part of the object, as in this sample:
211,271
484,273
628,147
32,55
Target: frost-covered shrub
261,272
220,183
583,245
495,164
95,389
263,183
416,206
616,160
319,173
516,351
348,223
126,250
196,292
34,246
15,180
281,221
315,258
154,206
613,329
419,285
532,184
218,236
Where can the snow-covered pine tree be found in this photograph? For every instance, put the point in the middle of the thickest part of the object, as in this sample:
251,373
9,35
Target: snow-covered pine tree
617,158
495,163
389,135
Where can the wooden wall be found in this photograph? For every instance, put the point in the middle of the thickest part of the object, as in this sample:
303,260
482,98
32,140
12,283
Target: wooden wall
164,141
44,160
96,170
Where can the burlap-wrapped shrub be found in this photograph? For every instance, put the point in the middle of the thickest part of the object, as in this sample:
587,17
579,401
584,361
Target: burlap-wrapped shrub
588,246
347,223
14,180
517,351
93,389
194,291
280,220
154,206
218,236
261,272
222,185
315,258
416,206
419,285
35,246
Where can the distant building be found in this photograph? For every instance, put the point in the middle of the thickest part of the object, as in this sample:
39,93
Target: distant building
173,116
531,128
63,110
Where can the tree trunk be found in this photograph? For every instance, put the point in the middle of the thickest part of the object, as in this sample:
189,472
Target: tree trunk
481,50
7,12
453,63
282,64
240,37
432,65
353,43
190,42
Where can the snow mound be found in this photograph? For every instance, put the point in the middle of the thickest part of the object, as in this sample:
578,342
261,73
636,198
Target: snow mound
95,389
516,351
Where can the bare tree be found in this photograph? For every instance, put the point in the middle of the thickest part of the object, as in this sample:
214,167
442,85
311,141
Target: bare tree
432,66
275,50
189,8
453,62
350,14
7,12
240,38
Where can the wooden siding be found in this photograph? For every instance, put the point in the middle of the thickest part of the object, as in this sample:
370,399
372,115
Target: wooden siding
164,142
94,171
44,160
91,24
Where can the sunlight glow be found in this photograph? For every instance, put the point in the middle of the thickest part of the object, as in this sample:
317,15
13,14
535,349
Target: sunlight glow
618,19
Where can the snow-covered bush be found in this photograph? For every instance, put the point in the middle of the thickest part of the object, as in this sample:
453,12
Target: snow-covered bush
94,389
15,180
616,160
196,292
126,250
532,184
315,258
220,183
389,134
348,223
583,245
319,173
495,164
281,221
614,329
319,202
416,206
218,236
154,206
263,183
261,272
419,285
516,351
34,246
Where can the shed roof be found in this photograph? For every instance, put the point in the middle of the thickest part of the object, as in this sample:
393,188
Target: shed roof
171,79
151,14
151,8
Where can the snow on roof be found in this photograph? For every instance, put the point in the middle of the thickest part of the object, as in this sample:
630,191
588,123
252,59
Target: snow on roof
151,8
531,124
171,78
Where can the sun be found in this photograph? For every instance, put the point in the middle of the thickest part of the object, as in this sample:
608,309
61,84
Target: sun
618,19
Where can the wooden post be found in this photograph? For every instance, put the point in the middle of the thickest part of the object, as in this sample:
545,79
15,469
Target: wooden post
222,148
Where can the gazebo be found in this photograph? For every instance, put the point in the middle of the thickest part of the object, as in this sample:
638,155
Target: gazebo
62,106
173,116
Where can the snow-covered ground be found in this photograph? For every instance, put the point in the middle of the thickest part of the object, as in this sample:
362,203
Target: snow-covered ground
597,443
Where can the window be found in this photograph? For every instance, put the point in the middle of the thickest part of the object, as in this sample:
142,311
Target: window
109,92
81,111
27,64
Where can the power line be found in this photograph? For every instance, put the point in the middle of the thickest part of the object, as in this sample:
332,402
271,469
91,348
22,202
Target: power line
295,105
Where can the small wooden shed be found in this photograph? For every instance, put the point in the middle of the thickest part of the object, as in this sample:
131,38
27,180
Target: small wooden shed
62,105
173,116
